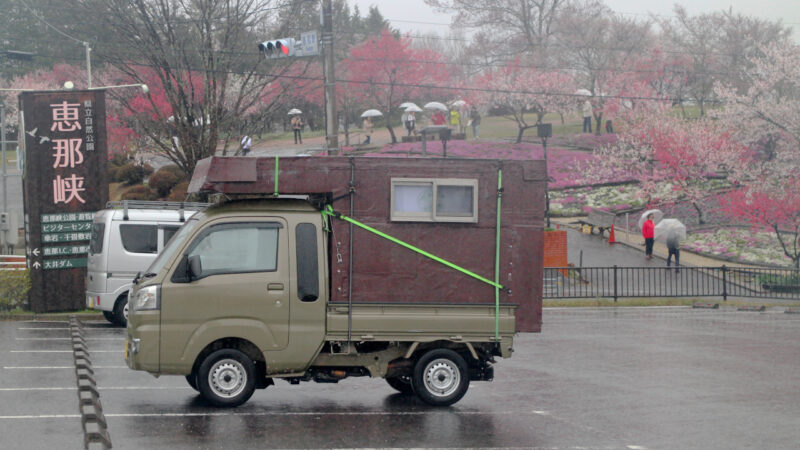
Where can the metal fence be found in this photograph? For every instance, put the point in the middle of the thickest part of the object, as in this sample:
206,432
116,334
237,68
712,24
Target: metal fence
618,282
12,262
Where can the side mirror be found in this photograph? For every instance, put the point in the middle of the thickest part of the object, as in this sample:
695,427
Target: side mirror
195,267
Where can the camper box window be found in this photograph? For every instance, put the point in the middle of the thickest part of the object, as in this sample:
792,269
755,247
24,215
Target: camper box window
434,200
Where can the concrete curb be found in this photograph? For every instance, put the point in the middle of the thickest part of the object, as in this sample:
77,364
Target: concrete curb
50,316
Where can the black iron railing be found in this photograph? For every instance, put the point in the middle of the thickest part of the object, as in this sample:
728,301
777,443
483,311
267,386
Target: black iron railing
618,282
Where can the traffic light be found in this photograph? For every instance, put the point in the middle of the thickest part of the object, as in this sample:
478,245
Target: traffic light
278,48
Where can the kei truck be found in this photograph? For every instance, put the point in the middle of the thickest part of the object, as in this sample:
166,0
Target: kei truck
416,270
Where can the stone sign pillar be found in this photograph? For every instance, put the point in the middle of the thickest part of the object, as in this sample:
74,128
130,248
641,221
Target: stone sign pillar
65,181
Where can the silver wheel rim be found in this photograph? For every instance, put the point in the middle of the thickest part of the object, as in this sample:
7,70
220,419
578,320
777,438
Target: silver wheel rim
227,378
125,311
442,377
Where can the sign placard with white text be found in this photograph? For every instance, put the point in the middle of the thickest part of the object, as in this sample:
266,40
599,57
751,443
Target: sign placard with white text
64,181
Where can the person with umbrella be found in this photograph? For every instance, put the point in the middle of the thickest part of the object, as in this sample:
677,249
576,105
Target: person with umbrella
367,126
297,127
673,246
648,233
672,231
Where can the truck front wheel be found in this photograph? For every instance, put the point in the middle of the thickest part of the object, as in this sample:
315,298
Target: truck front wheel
226,378
440,377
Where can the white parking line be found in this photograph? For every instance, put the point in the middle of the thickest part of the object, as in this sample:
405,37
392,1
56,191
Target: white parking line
275,413
69,339
102,388
62,351
58,367
43,328
44,416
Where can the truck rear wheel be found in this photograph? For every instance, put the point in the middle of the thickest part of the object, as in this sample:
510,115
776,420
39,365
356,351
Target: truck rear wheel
440,377
401,384
226,378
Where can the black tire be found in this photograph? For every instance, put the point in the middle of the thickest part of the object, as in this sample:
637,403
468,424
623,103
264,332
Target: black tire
121,310
226,378
440,377
109,316
192,380
401,384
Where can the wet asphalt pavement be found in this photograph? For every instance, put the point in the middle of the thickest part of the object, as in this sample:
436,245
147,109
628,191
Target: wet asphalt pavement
639,378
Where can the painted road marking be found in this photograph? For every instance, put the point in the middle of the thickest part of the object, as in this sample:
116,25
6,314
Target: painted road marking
69,339
63,351
108,388
59,367
43,328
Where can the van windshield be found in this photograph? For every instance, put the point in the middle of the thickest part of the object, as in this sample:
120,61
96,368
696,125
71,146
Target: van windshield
171,247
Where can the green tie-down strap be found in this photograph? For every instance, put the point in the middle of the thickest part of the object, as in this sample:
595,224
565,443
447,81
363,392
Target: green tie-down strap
276,177
328,211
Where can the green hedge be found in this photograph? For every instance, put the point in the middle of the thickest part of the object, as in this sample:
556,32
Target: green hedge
14,287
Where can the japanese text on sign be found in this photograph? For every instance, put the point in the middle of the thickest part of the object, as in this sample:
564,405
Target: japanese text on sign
67,152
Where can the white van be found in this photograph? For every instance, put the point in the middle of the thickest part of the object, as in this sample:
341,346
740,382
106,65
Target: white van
126,238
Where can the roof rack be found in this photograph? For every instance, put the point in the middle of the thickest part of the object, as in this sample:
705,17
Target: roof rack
144,204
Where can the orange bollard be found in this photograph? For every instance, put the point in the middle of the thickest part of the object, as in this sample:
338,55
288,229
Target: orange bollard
611,239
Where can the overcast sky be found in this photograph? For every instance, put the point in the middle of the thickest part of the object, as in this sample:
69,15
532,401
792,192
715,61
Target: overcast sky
409,15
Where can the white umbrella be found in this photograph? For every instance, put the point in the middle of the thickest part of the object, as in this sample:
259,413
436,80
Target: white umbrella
408,104
413,108
670,227
371,113
657,216
294,111
435,105
458,103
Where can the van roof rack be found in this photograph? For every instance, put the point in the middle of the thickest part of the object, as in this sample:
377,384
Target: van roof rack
145,204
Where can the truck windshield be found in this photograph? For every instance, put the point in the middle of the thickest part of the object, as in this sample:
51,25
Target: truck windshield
173,245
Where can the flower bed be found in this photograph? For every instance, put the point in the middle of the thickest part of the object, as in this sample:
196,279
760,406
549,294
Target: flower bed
739,245
577,202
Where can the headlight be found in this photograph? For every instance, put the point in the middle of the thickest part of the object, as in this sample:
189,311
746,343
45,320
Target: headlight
147,298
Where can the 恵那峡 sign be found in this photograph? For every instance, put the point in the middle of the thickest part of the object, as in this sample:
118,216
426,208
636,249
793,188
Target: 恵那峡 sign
63,136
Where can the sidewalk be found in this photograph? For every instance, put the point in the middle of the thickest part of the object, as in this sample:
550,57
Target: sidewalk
634,240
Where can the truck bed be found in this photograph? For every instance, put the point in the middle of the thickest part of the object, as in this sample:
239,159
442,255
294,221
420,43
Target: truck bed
419,322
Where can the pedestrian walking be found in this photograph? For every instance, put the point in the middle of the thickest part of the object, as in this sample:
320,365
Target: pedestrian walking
474,121
455,119
245,145
297,127
587,116
438,119
411,123
367,126
649,234
673,246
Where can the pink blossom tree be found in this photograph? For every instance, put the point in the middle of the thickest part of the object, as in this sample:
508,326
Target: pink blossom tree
385,71
519,89
659,149
766,118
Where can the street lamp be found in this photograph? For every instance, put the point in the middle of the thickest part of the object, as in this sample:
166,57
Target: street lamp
544,131
145,89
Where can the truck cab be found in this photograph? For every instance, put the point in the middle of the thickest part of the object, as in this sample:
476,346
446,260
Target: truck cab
125,239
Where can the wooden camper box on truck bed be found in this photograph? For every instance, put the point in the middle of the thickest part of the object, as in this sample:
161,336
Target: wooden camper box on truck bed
385,272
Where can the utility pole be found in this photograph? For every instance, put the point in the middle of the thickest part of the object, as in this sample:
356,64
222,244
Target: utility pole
5,184
331,122
88,63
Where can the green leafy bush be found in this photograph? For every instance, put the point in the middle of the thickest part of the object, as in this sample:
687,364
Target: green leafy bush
131,174
178,193
14,287
140,192
165,179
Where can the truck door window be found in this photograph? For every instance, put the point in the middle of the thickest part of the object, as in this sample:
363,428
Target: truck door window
98,235
168,233
307,269
238,248
139,238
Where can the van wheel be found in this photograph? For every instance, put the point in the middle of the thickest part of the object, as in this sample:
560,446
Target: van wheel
440,377
401,384
109,316
192,380
121,310
226,378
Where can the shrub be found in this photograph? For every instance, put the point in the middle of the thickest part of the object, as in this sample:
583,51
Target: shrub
131,174
140,192
14,287
178,193
165,179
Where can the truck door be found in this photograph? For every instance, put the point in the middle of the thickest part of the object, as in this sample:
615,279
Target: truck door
242,291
